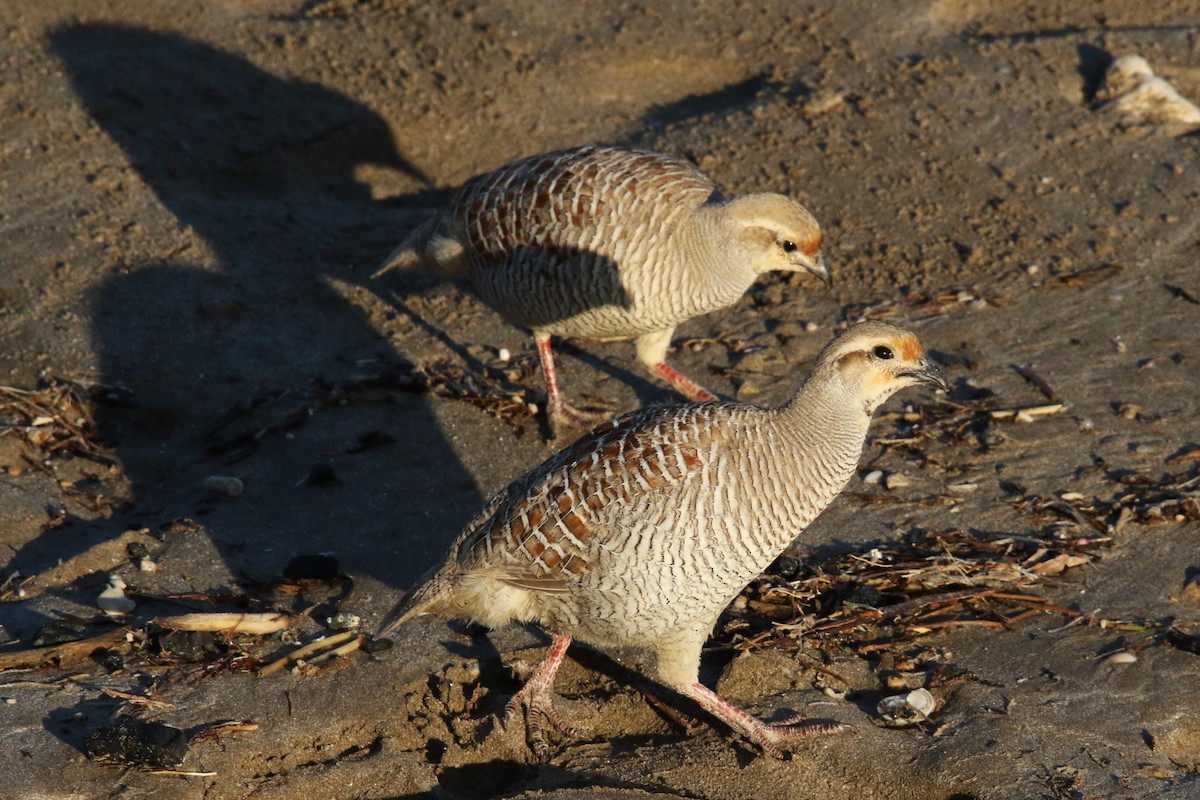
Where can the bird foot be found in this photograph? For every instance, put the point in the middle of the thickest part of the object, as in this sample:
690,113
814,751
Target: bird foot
564,415
681,383
537,702
775,738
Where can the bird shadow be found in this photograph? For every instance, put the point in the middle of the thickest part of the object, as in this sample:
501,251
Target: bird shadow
247,319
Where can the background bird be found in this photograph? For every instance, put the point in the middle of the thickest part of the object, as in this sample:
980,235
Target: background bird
644,530
605,243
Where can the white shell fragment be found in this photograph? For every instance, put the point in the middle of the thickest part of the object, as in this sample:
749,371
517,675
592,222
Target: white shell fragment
222,484
903,710
112,600
1139,97
1121,657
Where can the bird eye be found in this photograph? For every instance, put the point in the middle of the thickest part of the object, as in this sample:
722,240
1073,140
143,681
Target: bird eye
884,352
789,246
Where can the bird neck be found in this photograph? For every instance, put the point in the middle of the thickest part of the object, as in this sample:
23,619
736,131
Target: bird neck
716,250
830,422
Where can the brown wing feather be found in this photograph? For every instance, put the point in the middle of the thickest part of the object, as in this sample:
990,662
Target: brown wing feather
554,200
544,531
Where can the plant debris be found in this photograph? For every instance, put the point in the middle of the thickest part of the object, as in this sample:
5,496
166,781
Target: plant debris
901,590
54,420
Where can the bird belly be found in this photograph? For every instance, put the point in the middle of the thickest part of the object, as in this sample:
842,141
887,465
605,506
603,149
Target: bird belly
587,295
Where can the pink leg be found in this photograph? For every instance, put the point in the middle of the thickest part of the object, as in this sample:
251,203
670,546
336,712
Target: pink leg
682,384
537,698
557,409
772,737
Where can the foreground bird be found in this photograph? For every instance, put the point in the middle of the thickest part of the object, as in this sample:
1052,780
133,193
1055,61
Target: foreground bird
644,530
604,243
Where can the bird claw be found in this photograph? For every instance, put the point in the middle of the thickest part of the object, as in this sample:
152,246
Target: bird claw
537,703
777,735
565,415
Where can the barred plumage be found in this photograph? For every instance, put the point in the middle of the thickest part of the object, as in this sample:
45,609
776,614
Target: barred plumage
605,243
645,529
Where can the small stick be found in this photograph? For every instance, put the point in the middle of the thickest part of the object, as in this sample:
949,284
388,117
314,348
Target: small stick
1038,382
1033,411
227,623
137,699
349,647
311,647
949,623
182,773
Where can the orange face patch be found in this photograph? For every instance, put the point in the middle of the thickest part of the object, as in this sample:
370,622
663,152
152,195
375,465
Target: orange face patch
812,246
910,349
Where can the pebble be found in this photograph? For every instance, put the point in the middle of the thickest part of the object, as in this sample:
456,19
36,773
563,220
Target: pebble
873,477
138,743
897,481
344,621
224,485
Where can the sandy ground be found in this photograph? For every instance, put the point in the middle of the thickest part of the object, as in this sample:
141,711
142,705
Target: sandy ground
195,196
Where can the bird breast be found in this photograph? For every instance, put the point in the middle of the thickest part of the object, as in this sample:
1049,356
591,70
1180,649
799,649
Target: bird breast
664,549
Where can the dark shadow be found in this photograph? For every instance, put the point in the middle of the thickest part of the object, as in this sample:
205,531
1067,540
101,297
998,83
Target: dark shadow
1093,64
68,724
734,97
245,321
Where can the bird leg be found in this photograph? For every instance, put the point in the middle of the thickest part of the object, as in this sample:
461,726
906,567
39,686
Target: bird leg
773,737
652,351
557,409
537,699
682,383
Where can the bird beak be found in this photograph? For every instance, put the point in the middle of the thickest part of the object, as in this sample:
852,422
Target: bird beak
817,267
929,374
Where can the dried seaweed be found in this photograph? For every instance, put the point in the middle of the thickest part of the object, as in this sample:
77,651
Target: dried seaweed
53,421
899,591
1172,498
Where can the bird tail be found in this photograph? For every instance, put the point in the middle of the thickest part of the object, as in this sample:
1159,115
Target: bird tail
427,246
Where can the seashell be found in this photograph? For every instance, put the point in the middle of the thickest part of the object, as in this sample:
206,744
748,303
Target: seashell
112,600
904,710
1121,657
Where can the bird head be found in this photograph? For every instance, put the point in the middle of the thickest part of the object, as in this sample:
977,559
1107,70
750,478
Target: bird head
874,360
777,233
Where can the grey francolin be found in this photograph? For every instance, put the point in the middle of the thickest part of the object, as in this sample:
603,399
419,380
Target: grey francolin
605,243
644,530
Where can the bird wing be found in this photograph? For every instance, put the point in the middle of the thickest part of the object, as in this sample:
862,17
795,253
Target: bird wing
547,528
560,199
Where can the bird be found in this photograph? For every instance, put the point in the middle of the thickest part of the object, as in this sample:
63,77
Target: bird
644,530
605,243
